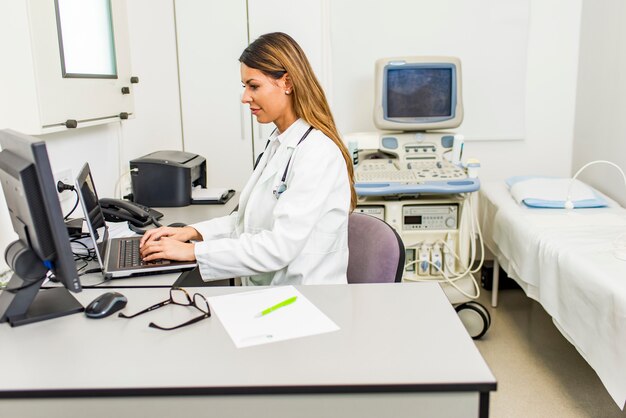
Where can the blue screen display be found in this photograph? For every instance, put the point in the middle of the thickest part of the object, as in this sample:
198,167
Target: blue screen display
419,92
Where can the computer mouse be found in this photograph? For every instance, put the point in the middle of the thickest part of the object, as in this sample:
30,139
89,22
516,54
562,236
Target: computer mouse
105,304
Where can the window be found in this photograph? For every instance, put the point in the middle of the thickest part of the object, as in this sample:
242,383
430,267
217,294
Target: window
86,41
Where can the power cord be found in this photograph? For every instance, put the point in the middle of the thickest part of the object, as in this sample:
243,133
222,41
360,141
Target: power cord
89,255
475,231
29,284
61,187
92,286
93,270
568,202
119,179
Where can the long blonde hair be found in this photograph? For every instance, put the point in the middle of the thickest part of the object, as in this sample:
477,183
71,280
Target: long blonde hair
277,53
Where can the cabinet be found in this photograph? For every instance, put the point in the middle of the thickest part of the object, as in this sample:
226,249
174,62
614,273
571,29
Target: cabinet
211,35
37,97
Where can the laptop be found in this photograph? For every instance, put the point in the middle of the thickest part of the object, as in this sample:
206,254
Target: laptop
118,257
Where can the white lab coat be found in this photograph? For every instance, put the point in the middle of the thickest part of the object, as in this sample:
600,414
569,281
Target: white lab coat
300,238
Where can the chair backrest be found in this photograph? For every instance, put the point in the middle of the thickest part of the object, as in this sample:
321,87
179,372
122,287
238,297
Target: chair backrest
376,251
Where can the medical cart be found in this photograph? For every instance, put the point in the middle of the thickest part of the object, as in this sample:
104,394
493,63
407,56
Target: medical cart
416,183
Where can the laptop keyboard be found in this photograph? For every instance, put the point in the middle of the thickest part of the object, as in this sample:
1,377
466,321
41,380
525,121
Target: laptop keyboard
130,257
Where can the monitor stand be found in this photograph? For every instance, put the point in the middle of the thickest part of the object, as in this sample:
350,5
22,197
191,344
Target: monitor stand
30,304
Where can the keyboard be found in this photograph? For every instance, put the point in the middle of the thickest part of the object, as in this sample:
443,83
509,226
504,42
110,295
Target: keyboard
387,171
385,176
435,170
130,257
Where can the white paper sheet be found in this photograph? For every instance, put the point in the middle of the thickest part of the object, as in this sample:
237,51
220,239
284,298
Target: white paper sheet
238,313
215,193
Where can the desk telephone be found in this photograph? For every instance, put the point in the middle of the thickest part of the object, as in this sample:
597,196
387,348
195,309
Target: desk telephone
116,210
412,163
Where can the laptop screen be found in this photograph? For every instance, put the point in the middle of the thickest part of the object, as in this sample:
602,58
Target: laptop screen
91,208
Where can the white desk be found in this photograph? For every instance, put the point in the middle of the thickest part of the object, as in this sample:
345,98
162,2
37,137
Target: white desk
401,351
198,213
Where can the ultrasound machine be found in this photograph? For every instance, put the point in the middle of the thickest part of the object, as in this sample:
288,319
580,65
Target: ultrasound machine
411,175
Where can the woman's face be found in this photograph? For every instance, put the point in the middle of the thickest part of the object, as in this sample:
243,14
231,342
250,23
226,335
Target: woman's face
267,98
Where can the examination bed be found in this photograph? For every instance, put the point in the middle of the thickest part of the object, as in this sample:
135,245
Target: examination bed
566,260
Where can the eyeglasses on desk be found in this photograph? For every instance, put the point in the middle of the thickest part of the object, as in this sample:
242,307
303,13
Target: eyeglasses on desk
178,296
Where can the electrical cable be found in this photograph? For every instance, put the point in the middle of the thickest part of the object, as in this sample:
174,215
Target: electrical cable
75,205
82,235
86,258
474,231
119,179
568,201
90,252
453,284
83,266
93,270
29,284
61,187
91,286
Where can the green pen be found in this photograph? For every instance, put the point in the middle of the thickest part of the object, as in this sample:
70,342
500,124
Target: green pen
277,306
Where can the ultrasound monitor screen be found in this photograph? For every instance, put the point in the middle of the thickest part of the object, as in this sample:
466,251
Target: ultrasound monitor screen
419,92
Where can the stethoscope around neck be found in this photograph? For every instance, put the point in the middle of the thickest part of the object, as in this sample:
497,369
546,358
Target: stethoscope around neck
281,187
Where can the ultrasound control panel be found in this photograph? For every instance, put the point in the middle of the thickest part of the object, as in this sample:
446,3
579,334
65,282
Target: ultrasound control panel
430,217
389,170
410,164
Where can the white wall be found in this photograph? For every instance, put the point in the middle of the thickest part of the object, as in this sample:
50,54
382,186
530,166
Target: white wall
549,89
489,37
550,99
108,148
600,131
157,125
211,36
307,23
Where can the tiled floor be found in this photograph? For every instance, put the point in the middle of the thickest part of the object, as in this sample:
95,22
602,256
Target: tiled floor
539,373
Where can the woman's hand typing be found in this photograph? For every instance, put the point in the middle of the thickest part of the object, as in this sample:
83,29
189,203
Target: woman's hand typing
169,249
169,243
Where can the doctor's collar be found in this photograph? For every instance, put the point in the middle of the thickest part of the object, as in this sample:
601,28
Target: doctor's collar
292,134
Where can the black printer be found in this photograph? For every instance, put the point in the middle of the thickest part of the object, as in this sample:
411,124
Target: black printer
165,178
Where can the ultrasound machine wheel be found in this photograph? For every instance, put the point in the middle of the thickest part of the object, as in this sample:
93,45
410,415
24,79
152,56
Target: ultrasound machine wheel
475,317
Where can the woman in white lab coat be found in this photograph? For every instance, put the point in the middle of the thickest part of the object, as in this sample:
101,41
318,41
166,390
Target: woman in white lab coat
292,222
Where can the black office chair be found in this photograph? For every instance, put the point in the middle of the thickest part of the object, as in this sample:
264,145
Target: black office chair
376,251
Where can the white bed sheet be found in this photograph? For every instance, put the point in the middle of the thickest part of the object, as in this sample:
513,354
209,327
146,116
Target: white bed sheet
564,260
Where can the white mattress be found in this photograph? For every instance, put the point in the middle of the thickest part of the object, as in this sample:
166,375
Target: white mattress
564,260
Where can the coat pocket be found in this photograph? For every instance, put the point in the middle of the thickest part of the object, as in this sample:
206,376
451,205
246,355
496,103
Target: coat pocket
324,243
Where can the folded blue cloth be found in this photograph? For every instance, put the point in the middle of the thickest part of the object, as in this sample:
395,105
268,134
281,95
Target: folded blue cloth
557,203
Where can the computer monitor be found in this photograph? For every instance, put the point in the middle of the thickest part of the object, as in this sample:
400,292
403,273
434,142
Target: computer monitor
43,246
418,93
